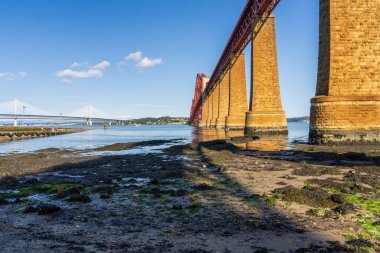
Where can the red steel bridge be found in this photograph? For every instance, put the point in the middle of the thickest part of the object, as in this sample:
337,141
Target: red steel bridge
250,22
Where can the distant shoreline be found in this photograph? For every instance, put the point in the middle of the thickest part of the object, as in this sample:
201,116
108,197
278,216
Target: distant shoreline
21,133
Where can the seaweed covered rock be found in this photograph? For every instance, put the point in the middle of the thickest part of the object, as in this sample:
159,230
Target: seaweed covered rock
311,196
45,209
8,182
79,198
337,198
345,209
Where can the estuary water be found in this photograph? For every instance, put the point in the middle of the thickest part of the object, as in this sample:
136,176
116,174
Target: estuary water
98,136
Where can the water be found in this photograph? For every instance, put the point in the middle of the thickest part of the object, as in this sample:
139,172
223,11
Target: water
98,136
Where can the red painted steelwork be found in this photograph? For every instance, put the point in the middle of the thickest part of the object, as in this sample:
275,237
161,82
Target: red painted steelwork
253,16
195,116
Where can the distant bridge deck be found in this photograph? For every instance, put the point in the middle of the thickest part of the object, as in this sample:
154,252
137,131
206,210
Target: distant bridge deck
28,116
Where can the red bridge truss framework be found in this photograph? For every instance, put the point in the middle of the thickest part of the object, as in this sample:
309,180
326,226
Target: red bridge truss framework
253,17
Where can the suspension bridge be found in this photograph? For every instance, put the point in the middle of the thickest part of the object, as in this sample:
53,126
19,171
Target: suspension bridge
19,112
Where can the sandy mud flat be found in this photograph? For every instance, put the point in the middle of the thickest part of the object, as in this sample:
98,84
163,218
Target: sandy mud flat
206,197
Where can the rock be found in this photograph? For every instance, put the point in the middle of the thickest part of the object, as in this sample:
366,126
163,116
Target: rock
3,202
352,156
338,198
177,207
177,193
73,191
214,170
8,182
44,209
64,194
106,189
345,209
29,209
360,243
17,201
202,187
31,181
155,181
80,198
105,196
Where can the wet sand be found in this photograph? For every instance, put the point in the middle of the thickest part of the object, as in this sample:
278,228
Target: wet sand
206,197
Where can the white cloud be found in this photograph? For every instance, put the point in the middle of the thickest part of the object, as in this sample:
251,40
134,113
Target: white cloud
69,73
140,61
7,76
146,62
22,73
78,64
136,56
91,72
102,65
67,81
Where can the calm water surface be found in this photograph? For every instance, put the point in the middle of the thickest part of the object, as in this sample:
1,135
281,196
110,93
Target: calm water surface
97,136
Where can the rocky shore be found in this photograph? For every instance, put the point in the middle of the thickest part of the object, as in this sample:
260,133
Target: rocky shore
21,133
200,197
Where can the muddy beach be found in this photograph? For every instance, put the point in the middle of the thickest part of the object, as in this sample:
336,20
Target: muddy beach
201,197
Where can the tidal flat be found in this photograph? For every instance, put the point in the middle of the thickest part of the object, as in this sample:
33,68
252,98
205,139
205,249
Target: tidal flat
200,197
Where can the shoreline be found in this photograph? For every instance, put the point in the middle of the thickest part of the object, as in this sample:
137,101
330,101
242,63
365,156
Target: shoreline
8,134
205,197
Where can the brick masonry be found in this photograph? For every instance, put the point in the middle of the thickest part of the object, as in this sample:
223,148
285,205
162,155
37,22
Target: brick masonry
347,103
238,96
266,115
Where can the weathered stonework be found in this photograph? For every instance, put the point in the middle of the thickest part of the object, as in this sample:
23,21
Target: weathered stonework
223,102
209,114
204,119
266,115
238,96
204,116
346,108
215,106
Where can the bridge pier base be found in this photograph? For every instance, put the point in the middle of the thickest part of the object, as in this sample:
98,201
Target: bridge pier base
346,108
237,95
266,115
15,123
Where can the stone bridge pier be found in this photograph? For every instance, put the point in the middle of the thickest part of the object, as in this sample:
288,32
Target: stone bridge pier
265,115
237,106
346,107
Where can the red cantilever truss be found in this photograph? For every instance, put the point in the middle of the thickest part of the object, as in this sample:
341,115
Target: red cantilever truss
195,116
250,22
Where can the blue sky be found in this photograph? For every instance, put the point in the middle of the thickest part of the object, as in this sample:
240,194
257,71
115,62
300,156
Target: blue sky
139,58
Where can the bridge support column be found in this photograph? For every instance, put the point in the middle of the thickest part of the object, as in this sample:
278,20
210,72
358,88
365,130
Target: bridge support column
204,113
237,96
265,115
209,114
347,104
215,106
223,102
